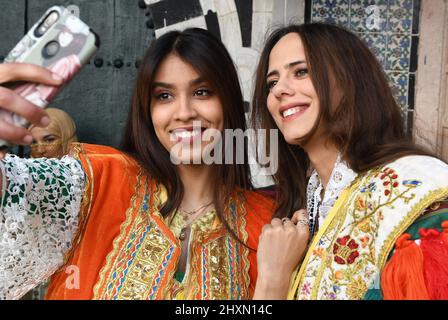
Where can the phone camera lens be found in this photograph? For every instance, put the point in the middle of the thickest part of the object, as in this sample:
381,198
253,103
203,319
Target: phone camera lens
49,20
51,49
40,31
52,18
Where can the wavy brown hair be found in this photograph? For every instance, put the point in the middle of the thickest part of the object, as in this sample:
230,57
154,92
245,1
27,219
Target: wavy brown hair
365,124
210,59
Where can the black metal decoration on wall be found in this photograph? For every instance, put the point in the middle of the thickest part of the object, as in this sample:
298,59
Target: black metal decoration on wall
142,4
211,20
169,12
118,63
98,62
244,9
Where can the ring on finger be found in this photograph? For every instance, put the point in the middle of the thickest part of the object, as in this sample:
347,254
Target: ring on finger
304,222
284,220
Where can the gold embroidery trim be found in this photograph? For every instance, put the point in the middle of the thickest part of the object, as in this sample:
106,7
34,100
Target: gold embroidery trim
146,264
212,237
245,254
160,197
342,200
218,267
337,223
115,251
219,255
204,232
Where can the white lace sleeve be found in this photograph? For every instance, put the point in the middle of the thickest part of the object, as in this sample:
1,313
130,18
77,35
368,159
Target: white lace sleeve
39,211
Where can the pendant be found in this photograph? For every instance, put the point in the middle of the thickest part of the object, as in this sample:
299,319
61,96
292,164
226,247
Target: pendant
183,234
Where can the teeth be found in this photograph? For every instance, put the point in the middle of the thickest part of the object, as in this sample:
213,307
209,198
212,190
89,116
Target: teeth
187,134
290,112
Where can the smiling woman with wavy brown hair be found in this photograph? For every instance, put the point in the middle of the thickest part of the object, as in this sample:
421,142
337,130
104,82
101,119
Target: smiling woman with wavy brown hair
370,186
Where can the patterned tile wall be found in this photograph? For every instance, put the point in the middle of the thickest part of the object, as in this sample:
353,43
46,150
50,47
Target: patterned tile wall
390,28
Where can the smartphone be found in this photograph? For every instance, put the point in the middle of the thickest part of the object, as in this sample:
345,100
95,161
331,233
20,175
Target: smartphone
58,41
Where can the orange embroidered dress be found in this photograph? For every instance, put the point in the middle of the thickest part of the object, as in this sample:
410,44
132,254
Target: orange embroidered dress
124,249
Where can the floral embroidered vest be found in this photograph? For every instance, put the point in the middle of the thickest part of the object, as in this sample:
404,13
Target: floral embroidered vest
350,249
125,250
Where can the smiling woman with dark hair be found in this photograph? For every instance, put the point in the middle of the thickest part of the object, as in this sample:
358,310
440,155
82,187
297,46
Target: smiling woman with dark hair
131,224
370,188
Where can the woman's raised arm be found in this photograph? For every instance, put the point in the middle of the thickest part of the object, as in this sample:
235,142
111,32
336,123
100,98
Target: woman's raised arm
39,211
40,198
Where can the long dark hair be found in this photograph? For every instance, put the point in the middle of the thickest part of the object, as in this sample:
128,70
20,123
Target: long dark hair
210,59
365,125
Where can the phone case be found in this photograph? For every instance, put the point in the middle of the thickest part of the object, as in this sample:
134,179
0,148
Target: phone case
77,44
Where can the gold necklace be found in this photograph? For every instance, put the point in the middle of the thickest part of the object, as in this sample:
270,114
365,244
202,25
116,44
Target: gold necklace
190,213
183,231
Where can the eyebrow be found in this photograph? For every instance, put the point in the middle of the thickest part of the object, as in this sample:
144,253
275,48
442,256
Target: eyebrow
198,81
170,86
286,66
162,84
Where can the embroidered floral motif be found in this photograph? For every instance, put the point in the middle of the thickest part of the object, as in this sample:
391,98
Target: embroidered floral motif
306,288
356,289
389,177
365,226
345,257
365,241
339,275
319,252
360,204
412,183
345,250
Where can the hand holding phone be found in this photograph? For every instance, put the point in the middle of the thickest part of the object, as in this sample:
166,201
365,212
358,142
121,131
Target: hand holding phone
12,103
59,42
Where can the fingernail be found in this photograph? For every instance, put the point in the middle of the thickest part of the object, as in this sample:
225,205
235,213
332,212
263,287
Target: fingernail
57,77
28,139
45,121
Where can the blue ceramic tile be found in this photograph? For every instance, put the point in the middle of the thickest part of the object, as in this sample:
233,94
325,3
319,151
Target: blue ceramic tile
368,15
399,82
400,14
331,11
398,52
